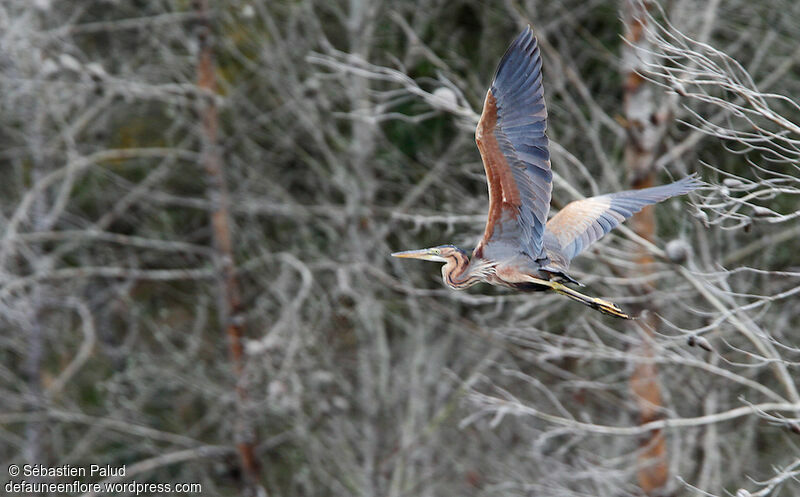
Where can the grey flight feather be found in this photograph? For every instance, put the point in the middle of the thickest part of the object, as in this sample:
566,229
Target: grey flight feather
520,132
583,222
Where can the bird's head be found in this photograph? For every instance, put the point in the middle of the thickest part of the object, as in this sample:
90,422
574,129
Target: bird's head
457,272
442,253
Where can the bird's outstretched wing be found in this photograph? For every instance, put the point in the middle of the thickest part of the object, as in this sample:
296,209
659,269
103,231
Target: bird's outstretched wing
583,222
514,148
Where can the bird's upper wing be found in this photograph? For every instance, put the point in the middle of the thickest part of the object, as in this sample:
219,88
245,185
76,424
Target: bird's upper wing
583,222
514,148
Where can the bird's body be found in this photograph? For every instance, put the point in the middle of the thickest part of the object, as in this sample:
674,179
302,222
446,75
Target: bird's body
520,248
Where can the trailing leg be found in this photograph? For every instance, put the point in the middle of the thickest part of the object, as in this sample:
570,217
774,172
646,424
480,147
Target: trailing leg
601,305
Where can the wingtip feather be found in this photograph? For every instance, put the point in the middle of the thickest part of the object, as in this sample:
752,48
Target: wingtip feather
525,43
690,183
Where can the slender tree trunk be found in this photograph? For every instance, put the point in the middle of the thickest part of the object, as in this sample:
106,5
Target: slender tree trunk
645,124
230,304
34,430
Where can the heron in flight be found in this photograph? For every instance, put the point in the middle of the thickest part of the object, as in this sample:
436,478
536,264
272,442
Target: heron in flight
520,248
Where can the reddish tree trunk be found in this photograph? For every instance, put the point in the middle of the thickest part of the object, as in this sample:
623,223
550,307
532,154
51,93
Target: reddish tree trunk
645,133
230,304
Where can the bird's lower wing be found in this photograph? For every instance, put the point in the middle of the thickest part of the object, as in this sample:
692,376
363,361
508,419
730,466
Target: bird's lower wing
583,222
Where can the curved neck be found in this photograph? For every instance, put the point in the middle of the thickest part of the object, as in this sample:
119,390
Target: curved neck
457,273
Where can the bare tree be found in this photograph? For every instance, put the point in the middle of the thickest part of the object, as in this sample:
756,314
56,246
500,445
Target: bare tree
646,121
230,300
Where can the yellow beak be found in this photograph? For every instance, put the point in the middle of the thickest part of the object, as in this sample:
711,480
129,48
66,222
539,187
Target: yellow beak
424,254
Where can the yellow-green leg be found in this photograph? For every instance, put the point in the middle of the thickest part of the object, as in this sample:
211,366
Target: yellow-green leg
601,305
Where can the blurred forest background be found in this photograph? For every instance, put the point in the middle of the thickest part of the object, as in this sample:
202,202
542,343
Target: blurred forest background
198,201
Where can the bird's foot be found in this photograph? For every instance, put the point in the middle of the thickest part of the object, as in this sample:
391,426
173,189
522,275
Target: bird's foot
609,308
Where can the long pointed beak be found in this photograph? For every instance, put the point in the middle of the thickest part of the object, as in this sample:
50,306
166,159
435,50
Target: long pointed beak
424,254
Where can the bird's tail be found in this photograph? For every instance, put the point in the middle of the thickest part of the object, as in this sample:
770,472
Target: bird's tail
601,305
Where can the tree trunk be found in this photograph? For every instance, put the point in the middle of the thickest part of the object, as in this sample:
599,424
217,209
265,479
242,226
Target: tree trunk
645,126
230,304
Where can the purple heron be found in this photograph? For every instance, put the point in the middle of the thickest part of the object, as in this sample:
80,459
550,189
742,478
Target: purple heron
520,248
